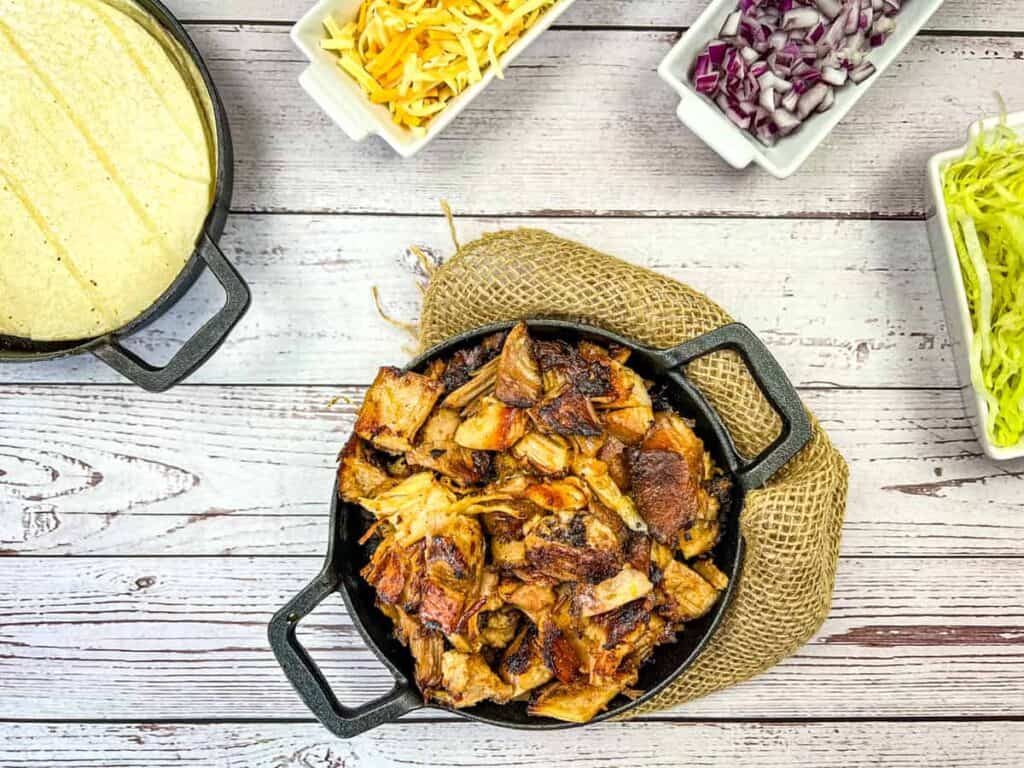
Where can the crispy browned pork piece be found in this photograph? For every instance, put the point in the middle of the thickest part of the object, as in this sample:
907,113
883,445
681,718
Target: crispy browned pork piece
541,529
519,382
360,472
395,408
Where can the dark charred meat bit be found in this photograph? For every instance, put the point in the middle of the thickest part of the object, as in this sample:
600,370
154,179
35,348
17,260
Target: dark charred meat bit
665,492
661,398
623,620
589,378
568,413
535,525
565,551
463,363
638,552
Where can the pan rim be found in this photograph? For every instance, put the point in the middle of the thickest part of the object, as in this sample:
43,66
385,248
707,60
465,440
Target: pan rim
16,349
734,568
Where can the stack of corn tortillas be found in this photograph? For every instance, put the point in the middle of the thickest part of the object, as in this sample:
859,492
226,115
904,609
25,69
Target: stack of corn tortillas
106,166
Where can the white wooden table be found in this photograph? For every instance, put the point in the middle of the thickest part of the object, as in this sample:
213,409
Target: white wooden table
150,537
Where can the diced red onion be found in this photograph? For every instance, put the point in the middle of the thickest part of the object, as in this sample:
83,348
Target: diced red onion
815,33
785,120
716,51
800,18
863,72
828,101
732,24
811,100
834,75
707,84
780,61
829,8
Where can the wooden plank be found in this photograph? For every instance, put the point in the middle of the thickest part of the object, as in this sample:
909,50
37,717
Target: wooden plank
716,745
141,638
528,145
237,471
997,15
850,303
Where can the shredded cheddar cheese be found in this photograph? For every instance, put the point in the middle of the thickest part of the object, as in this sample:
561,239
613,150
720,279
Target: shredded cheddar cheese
413,56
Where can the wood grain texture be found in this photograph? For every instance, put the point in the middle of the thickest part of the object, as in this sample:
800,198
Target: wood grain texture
185,639
236,471
665,745
840,302
582,124
964,15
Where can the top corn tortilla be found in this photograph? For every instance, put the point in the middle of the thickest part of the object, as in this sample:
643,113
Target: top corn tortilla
107,162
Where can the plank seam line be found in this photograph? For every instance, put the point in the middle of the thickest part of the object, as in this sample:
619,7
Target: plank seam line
455,720
942,32
320,385
599,215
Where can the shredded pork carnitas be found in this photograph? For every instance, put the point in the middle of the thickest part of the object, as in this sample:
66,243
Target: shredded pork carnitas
541,528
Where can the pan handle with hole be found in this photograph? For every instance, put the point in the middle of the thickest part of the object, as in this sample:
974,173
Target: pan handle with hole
309,682
197,349
771,379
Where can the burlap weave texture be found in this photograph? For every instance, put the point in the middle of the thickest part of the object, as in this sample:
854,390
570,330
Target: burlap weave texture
791,526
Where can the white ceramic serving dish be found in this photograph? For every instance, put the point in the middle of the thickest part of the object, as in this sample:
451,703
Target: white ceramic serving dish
954,296
739,148
339,96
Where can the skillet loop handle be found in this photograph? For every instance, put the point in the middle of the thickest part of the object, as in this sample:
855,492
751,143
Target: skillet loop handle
307,679
198,349
774,385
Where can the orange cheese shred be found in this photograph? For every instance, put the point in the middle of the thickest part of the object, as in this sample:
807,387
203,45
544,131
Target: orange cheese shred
414,56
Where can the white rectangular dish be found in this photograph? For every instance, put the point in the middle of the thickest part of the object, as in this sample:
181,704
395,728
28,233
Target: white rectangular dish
736,146
954,295
346,103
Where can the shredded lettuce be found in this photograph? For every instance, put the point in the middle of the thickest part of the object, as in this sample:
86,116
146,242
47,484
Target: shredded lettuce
984,193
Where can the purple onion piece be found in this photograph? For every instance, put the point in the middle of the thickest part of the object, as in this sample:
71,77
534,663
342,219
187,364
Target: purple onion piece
800,18
716,51
829,8
731,25
815,33
827,102
863,72
811,100
785,120
834,75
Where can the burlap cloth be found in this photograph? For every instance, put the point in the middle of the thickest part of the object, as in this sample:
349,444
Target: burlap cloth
791,526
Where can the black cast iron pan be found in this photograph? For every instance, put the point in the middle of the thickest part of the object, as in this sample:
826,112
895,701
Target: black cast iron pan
196,350
345,556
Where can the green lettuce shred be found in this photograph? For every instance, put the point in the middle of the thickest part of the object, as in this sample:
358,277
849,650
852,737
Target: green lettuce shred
984,193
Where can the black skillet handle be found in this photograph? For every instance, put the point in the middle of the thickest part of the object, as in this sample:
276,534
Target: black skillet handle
309,682
774,385
196,350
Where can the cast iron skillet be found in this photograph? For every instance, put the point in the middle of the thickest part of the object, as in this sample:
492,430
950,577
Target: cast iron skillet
345,556
207,339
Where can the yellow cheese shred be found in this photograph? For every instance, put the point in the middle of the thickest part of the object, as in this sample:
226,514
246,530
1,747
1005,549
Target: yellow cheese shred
414,56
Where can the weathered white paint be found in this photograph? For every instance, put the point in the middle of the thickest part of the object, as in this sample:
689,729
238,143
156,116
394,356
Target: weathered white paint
184,638
661,745
840,302
583,124
231,471
961,15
